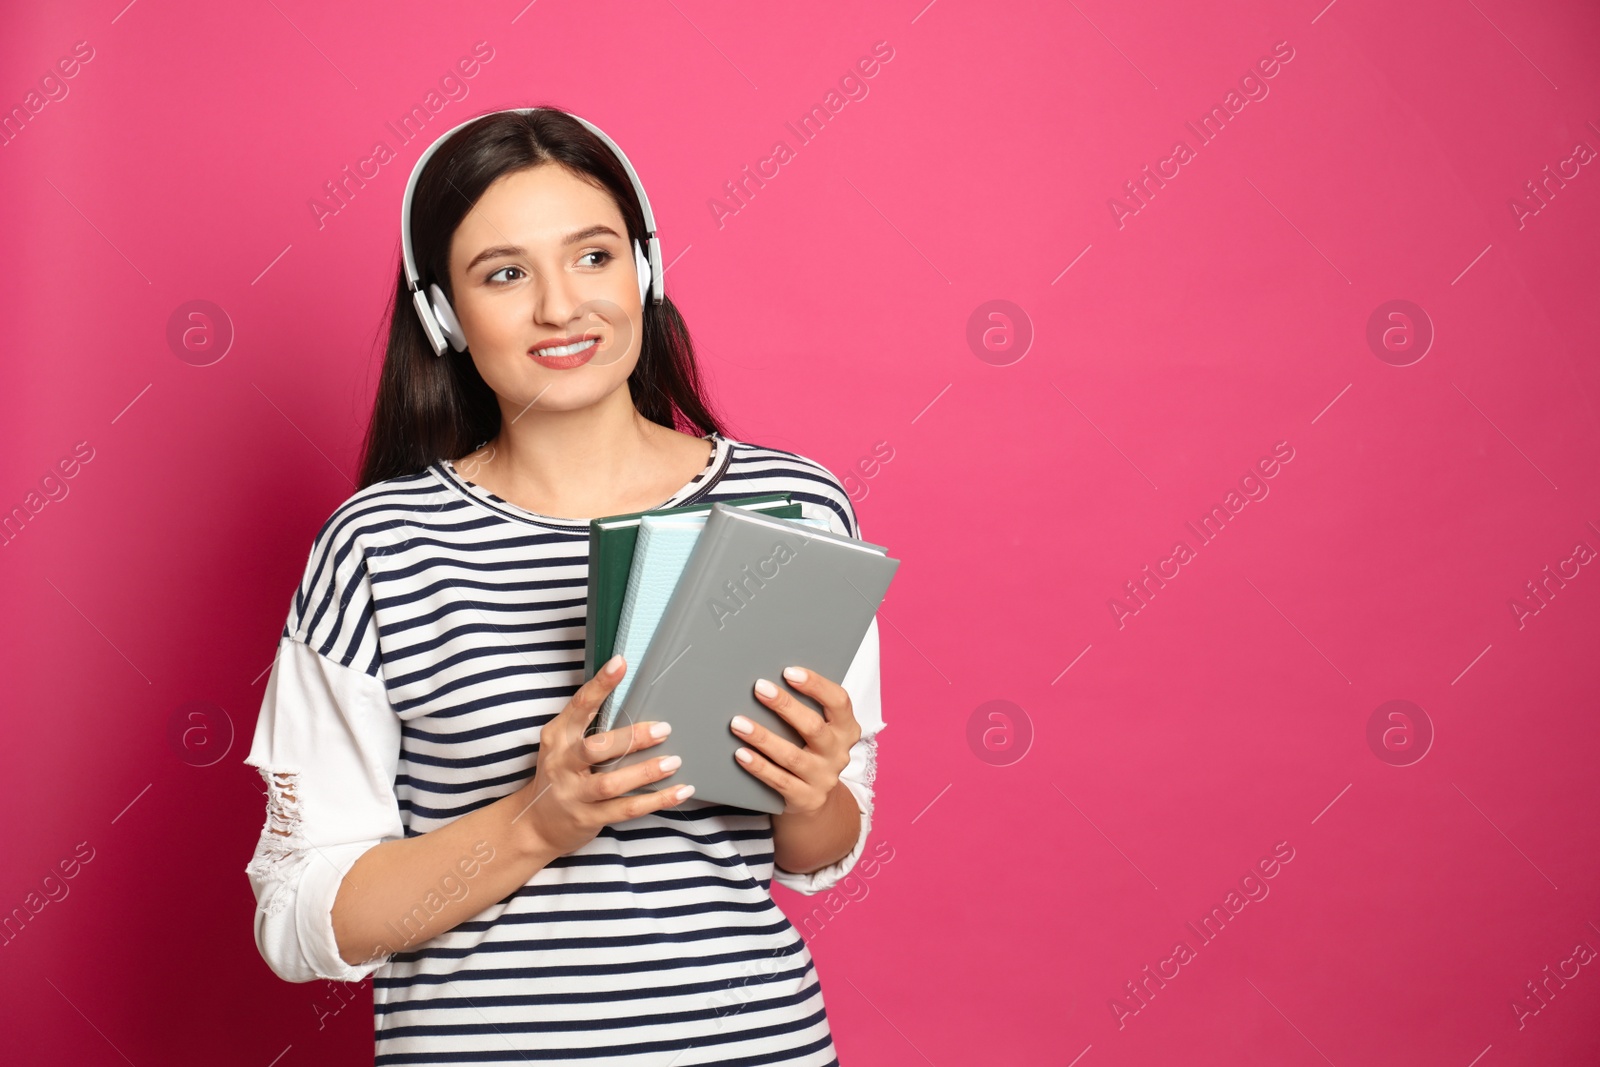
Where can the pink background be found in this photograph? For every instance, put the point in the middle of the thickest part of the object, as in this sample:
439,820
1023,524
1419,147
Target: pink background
1142,767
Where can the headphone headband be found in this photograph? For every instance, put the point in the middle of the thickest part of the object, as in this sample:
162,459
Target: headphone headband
436,316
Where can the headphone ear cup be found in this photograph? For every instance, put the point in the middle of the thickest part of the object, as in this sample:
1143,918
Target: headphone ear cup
641,265
446,315
430,325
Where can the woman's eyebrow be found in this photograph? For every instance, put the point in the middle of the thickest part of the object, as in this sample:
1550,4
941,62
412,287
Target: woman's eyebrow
517,250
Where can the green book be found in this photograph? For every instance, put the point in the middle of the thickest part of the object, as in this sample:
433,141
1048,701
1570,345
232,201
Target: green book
612,539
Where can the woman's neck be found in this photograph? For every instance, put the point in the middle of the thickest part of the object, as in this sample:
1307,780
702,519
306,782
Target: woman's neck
602,460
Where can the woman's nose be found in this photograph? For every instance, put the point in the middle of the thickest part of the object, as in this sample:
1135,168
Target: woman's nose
556,300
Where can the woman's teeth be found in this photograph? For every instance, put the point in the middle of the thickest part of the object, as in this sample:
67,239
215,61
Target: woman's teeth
566,350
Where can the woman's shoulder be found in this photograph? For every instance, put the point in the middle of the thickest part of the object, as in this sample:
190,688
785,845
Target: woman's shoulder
332,601
380,505
755,468
371,521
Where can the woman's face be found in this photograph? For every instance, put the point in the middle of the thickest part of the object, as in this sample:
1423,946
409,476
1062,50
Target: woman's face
543,257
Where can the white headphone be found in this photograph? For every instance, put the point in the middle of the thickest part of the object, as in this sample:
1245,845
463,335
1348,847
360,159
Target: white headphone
439,318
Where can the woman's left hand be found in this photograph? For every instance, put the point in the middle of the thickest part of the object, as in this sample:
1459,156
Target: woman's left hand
806,776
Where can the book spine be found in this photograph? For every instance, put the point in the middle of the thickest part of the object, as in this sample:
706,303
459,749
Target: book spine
591,613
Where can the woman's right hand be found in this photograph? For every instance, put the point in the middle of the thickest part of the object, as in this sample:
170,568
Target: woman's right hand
567,802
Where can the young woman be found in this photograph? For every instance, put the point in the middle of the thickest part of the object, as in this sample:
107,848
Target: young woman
432,817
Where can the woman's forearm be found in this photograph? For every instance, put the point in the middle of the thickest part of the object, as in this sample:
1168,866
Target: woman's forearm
399,894
805,843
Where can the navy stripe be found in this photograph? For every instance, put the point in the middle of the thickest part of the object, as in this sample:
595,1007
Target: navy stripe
646,971
612,996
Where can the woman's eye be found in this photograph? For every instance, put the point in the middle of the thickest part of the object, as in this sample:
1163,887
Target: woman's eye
605,257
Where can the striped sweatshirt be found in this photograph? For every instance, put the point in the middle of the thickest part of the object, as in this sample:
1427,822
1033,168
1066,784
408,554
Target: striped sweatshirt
436,628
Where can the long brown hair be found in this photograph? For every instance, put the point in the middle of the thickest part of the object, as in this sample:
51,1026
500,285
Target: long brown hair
439,407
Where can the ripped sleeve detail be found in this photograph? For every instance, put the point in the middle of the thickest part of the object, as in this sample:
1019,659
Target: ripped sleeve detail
282,851
863,767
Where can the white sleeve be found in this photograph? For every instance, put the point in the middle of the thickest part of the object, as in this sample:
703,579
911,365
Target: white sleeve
861,681
327,744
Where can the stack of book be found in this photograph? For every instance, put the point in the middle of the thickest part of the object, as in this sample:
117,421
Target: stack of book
702,600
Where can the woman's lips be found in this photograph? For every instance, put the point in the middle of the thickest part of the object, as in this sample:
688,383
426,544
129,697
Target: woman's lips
567,362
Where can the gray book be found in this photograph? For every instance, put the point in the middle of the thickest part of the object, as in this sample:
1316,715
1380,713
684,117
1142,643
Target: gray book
757,595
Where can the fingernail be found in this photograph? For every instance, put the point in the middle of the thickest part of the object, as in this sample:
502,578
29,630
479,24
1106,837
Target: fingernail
614,664
660,729
744,755
797,675
686,792
670,764
766,688
741,724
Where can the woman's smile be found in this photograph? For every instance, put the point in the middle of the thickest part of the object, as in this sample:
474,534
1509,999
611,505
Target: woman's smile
564,356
